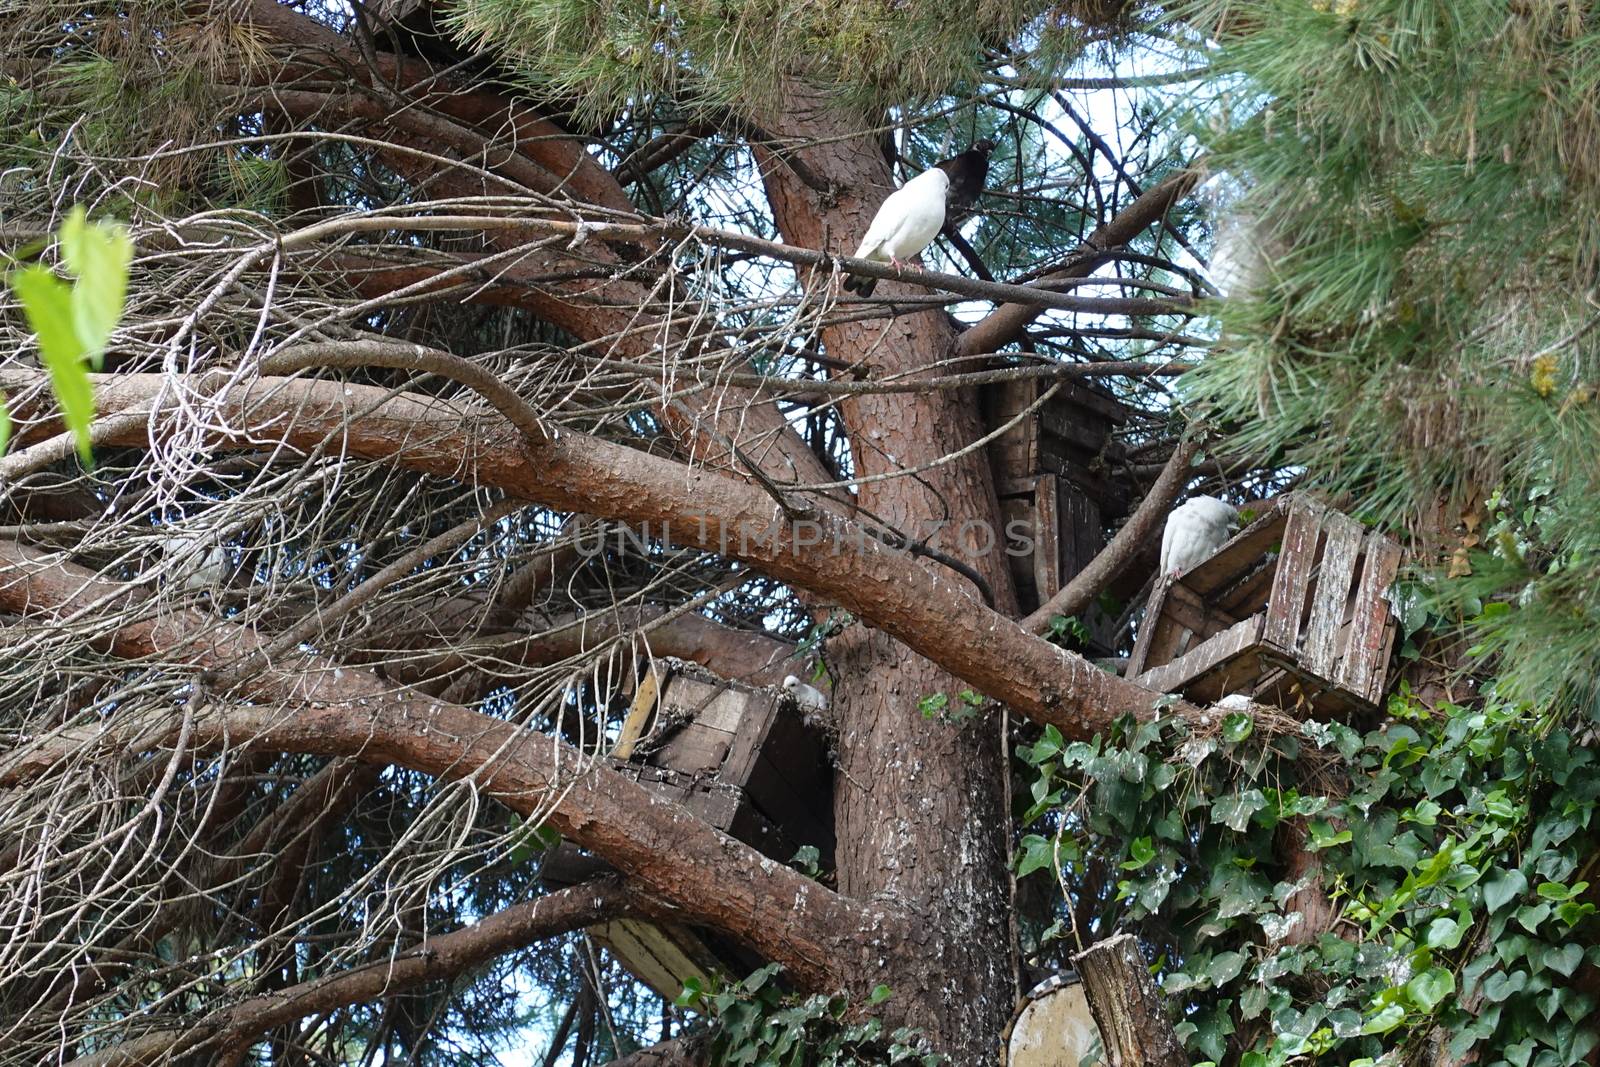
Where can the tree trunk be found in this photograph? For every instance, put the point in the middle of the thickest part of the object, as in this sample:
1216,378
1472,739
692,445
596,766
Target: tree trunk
919,805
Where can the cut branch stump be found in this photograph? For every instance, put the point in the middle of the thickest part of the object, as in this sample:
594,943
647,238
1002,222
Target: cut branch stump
1127,1008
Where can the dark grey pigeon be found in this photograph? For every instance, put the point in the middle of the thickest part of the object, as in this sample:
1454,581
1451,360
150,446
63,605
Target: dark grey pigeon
968,172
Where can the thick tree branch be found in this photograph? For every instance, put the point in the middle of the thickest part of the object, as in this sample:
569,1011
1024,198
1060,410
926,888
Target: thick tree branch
1128,1009
825,554
438,958
313,707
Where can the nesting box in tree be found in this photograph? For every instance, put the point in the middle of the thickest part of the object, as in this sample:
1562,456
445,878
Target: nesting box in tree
1051,469
1292,611
743,758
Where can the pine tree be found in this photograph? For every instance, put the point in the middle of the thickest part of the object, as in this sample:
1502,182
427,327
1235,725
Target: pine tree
441,315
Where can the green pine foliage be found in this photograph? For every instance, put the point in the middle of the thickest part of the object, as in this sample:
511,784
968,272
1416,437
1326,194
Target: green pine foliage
716,56
1427,175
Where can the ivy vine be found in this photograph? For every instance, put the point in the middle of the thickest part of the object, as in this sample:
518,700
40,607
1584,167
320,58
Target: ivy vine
1456,847
758,1021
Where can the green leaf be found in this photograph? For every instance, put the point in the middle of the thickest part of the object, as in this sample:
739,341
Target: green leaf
1385,1020
1225,967
1503,887
1564,959
1142,851
1430,987
1235,810
1035,855
1444,932
879,994
1572,913
1500,985
1049,745
5,425
1237,726
1557,891
99,256
1531,915
47,302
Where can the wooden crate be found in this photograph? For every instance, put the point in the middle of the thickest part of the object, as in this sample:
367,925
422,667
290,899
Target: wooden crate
752,742
1070,434
1292,611
740,757
1050,475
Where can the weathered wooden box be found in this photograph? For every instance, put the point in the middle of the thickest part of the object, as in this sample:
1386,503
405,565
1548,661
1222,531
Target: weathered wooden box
1306,627
744,759
1052,476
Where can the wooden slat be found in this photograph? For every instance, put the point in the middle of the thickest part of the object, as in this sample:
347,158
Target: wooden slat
715,705
1016,513
1289,585
1247,595
659,956
1334,577
1372,630
1082,531
1147,628
1237,641
1075,427
639,712
1195,614
1047,537
750,737
1169,638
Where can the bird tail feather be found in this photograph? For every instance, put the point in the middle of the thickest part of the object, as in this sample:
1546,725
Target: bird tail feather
857,283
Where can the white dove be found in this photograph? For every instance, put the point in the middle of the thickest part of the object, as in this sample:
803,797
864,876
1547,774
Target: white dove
906,222
1195,529
804,695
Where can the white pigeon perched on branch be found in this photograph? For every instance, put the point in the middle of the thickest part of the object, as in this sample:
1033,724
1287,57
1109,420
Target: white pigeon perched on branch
808,697
906,223
1195,529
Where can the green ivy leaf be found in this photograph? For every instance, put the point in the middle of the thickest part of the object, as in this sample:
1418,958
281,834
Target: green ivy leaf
1384,1020
1502,887
879,994
1035,855
1572,913
1502,984
1444,932
1142,850
1430,987
1225,967
1564,959
693,990
1237,726
1557,891
1236,809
